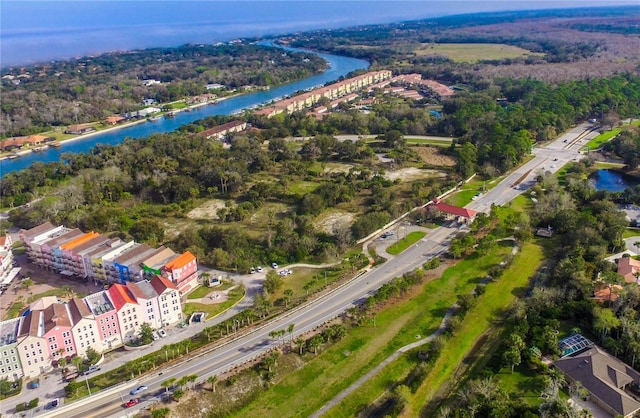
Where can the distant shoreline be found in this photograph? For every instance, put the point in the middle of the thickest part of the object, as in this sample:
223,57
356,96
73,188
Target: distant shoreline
62,142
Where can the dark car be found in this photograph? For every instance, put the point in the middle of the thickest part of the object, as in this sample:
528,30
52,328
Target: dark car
33,384
53,404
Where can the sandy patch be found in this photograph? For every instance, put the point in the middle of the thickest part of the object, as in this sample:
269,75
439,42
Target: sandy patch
331,221
208,210
433,156
411,173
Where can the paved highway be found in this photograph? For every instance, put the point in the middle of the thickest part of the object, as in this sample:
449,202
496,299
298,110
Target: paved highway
549,157
312,315
248,347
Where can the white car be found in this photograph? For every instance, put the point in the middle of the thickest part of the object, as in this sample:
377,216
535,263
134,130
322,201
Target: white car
155,336
259,269
162,333
274,265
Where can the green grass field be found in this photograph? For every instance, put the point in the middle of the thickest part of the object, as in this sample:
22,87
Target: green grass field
203,291
14,310
596,142
406,242
498,296
474,52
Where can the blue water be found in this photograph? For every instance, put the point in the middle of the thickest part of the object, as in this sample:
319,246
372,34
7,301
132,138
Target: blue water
611,180
339,66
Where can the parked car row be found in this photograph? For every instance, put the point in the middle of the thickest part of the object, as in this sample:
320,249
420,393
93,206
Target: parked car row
259,269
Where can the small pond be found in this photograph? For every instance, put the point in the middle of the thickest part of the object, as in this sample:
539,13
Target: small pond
612,180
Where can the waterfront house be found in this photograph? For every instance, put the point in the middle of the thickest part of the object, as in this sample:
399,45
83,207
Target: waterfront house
79,129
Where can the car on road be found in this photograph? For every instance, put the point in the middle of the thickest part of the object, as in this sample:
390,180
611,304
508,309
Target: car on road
155,336
274,265
132,402
92,369
33,384
259,269
252,271
137,390
53,404
162,333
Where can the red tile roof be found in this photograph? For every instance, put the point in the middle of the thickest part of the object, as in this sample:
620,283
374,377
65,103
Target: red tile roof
120,296
160,284
628,268
454,210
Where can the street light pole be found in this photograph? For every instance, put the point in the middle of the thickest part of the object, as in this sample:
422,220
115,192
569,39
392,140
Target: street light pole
87,382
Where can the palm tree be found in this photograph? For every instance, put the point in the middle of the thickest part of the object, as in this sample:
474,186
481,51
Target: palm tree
213,380
183,381
290,331
315,342
62,363
288,294
191,379
168,383
77,362
339,331
301,343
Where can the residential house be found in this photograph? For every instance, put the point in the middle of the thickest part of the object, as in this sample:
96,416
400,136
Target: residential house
57,331
607,379
114,120
183,272
106,318
629,269
32,347
10,366
84,327
32,237
168,299
80,129
128,311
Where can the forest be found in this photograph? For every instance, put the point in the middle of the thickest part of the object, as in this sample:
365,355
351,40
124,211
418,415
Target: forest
38,97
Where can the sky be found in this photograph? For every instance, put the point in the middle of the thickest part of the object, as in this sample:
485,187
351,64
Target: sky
35,31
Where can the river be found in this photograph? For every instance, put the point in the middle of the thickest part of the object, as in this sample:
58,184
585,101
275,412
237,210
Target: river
338,66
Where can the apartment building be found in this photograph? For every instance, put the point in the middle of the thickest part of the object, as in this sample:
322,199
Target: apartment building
127,311
182,272
84,328
10,366
147,299
168,299
32,346
106,319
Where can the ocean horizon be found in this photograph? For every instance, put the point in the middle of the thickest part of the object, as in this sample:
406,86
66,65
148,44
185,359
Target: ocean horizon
39,31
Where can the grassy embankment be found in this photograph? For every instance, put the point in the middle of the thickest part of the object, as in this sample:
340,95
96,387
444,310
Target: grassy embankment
364,347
